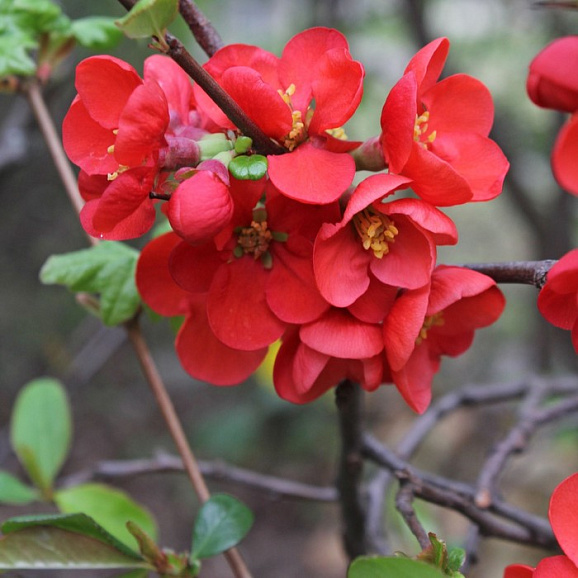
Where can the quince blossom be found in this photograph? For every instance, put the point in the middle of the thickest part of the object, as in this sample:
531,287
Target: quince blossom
436,132
299,100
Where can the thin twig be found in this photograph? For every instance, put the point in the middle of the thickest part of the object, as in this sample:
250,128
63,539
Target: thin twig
174,425
404,505
44,119
204,32
524,272
274,487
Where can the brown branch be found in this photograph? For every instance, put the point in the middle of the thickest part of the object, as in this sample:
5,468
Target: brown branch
524,272
273,486
348,398
204,32
404,505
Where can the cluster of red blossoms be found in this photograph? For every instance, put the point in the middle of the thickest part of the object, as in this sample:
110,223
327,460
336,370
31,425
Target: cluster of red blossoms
553,83
345,277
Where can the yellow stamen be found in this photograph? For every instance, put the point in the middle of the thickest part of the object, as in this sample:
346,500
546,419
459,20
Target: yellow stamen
420,129
377,231
297,134
437,319
121,169
338,132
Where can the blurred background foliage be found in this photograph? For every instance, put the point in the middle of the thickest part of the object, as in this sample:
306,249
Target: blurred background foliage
43,332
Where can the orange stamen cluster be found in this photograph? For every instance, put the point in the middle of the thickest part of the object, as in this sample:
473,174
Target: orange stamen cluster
253,240
420,130
297,134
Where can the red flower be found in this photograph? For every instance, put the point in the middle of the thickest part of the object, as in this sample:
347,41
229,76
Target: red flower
436,320
201,354
551,80
318,355
436,133
394,242
258,272
278,95
564,155
562,513
558,299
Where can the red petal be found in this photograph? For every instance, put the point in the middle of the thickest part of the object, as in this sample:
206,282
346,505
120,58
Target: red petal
556,566
204,357
86,142
142,125
174,82
312,175
375,303
518,571
200,207
398,121
291,290
414,379
238,311
479,160
337,90
104,84
549,83
91,186
563,514
341,265
339,334
193,268
564,155
154,280
300,61
402,326
428,63
459,103
125,195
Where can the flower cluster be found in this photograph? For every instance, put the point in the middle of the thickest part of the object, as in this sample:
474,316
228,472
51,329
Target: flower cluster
344,276
562,514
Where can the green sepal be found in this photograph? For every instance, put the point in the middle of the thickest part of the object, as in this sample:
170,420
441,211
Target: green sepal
391,567
248,168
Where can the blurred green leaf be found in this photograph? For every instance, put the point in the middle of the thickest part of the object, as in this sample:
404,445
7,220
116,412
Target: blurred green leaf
222,522
56,541
148,18
41,429
109,507
107,269
96,32
456,559
13,491
14,59
383,567
248,168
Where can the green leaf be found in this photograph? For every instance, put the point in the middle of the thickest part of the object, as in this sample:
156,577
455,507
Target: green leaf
383,567
456,559
109,507
13,491
41,15
107,269
96,32
74,523
54,541
248,168
222,522
148,18
14,59
41,429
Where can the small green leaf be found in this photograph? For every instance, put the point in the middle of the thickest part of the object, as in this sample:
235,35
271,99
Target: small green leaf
14,59
13,491
384,567
41,430
109,507
96,32
148,18
222,522
248,168
73,523
107,269
54,541
456,559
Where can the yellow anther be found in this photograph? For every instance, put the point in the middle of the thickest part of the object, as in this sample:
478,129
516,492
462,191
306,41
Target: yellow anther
338,132
121,169
435,320
377,231
420,129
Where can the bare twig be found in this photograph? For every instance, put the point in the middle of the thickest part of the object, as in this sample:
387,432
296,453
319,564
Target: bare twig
404,504
203,31
273,486
524,272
